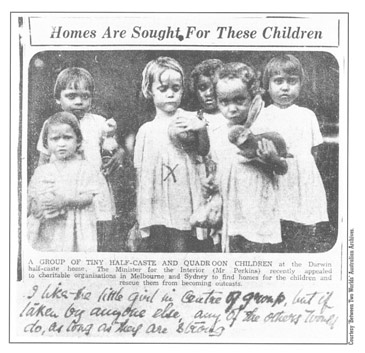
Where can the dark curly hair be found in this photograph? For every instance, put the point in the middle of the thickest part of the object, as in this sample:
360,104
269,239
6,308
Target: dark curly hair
206,68
243,72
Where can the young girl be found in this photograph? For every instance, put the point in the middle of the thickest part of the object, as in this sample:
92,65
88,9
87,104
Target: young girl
302,195
250,213
202,86
73,91
61,193
168,186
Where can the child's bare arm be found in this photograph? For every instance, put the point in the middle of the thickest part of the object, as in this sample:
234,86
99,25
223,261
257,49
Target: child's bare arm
203,142
315,152
81,200
118,153
200,128
115,162
209,187
58,202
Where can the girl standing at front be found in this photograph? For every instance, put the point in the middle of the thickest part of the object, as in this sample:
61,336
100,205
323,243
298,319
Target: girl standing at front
248,186
61,193
302,196
168,189
74,91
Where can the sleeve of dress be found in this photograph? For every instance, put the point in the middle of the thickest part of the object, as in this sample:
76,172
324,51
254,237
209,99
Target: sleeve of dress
317,138
102,127
40,147
89,179
33,190
138,149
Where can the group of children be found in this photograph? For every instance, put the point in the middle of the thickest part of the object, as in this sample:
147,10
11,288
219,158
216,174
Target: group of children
264,201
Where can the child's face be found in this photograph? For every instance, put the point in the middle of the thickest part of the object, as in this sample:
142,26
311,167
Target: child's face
62,141
284,89
167,91
233,100
75,101
206,95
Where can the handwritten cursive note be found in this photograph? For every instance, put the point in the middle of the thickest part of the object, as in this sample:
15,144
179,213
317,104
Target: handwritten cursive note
58,309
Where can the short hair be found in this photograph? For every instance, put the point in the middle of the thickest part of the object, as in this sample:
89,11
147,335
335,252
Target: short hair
62,118
74,77
244,72
154,69
286,63
207,68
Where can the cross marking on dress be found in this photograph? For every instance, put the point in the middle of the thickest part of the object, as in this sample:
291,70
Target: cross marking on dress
171,172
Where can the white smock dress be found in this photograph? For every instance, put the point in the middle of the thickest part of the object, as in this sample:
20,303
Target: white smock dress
302,195
250,203
168,179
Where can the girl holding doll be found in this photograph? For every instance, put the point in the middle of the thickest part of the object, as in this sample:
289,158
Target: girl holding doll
61,193
74,91
168,159
247,182
302,195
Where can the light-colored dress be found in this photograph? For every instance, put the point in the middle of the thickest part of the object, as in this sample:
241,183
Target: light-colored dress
302,194
250,202
215,121
168,184
71,229
93,128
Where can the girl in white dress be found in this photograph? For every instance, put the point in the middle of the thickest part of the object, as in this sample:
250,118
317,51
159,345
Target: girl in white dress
302,195
168,184
61,193
248,186
74,92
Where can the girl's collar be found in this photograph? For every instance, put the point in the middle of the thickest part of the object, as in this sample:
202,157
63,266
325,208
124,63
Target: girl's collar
273,106
61,163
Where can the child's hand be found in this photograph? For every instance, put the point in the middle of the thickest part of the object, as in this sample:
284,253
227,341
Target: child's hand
267,151
111,127
115,162
109,145
268,154
188,123
35,208
208,186
54,202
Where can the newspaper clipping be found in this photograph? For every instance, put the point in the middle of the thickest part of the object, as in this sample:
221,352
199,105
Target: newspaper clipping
180,178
